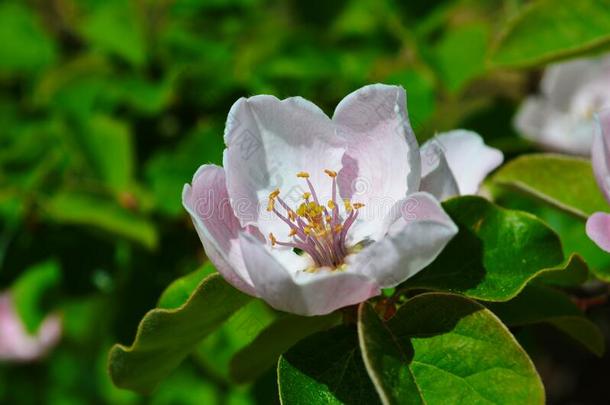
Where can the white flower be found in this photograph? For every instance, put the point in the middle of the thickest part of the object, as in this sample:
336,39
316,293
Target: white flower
313,214
561,118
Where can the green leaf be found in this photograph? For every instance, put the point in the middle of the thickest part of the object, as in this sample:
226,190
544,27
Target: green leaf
564,182
114,27
459,57
82,209
548,30
216,351
260,355
168,170
178,292
29,290
25,46
573,272
538,304
496,253
109,145
325,368
445,349
165,337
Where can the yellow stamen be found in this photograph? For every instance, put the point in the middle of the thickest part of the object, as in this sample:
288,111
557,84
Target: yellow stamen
274,193
307,230
358,205
348,205
272,238
331,204
338,228
292,232
328,219
330,173
292,216
306,195
271,205
303,175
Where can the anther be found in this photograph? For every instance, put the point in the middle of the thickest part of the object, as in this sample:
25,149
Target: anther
271,204
272,238
330,173
274,193
303,175
358,205
331,204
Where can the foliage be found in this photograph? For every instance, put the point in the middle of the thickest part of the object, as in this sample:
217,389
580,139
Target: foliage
108,107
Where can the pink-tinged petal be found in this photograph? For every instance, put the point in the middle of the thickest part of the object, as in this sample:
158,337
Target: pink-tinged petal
437,178
600,152
382,163
469,159
598,229
553,129
268,142
301,292
207,201
19,346
420,229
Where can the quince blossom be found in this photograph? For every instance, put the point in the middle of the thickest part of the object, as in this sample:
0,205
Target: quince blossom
561,118
313,214
598,225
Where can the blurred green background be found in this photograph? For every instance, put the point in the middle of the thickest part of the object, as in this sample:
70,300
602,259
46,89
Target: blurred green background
107,107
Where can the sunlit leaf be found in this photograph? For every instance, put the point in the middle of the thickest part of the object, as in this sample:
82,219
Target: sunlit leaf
496,253
444,349
564,182
547,30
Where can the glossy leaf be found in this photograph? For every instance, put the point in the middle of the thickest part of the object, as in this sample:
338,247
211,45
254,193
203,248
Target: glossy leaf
547,30
445,349
538,304
165,337
325,368
564,182
496,253
260,355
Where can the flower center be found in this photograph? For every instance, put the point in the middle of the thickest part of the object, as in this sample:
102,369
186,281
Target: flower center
316,229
